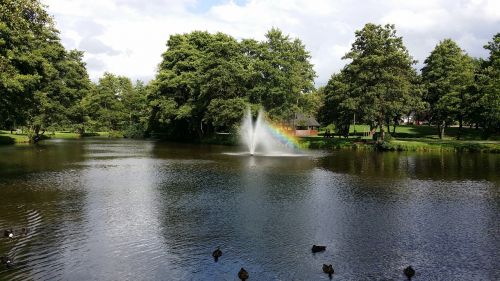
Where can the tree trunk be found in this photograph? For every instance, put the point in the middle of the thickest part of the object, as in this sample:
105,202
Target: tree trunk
441,129
460,123
382,132
36,136
81,131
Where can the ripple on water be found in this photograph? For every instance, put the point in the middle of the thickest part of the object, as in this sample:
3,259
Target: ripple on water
101,210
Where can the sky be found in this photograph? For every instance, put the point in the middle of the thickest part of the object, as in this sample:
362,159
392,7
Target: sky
127,37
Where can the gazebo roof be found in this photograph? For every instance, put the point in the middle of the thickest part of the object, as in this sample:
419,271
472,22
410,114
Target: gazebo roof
303,120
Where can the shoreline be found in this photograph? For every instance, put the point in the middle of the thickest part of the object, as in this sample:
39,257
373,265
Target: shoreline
394,144
413,144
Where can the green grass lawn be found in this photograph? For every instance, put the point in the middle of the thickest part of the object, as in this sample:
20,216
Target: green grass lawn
7,138
422,131
409,138
452,145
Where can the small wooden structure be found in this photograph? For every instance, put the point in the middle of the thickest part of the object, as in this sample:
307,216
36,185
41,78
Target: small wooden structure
302,125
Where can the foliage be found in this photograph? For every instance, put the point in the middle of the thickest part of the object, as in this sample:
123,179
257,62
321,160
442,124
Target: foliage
41,83
206,81
339,104
488,84
226,115
115,104
448,75
379,85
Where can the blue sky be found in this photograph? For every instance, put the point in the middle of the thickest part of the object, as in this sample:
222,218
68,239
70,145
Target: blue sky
127,37
204,6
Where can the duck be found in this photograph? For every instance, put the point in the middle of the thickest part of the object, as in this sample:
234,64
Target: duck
217,254
8,233
7,261
328,269
243,274
316,248
409,272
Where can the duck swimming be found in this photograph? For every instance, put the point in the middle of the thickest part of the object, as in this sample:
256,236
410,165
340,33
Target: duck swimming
316,249
8,233
217,254
243,274
328,269
7,261
409,272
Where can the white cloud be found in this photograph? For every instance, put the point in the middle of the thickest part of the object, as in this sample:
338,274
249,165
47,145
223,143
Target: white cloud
127,37
95,46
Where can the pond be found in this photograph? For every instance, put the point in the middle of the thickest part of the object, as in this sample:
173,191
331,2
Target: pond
140,210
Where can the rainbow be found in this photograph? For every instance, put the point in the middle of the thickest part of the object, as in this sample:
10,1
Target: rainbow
283,136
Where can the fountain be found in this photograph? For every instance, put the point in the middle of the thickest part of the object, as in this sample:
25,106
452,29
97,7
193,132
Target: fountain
263,139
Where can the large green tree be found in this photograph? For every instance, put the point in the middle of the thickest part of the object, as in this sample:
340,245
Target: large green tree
196,68
41,84
284,74
137,111
77,86
26,30
201,72
379,85
448,75
105,103
488,81
339,104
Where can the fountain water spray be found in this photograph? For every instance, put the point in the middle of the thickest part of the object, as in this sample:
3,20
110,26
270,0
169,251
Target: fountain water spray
263,139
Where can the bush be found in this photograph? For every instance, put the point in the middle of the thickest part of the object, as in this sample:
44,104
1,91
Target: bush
115,134
134,131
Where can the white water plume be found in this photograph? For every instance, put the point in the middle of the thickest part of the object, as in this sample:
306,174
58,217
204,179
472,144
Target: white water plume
259,138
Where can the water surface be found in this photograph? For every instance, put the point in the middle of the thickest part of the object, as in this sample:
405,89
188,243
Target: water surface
139,210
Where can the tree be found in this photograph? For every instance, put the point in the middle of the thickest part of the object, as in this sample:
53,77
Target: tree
196,68
448,75
339,104
78,86
136,109
380,76
226,114
26,31
41,84
488,82
105,104
200,71
284,74
57,104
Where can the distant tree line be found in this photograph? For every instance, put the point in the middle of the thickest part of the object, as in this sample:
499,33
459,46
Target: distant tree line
379,85
205,82
45,87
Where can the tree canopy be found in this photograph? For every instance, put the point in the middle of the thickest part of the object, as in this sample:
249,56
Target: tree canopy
205,81
448,75
379,85
41,83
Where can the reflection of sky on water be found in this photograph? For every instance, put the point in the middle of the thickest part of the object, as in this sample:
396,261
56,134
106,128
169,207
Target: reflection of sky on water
123,209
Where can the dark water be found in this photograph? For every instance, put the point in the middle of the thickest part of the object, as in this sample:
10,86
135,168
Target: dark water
136,210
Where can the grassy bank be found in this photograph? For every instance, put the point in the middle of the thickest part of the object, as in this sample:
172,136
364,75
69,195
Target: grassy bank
409,138
7,138
444,145
411,144
424,131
